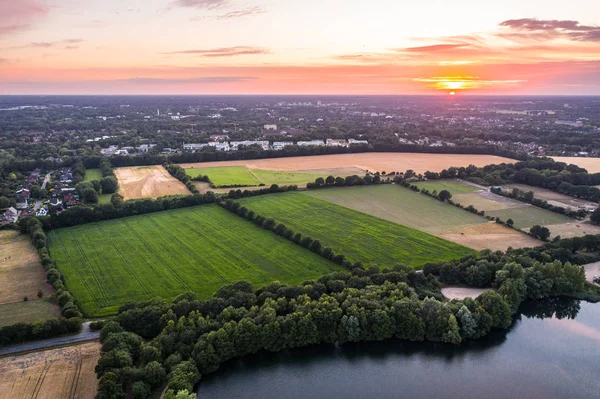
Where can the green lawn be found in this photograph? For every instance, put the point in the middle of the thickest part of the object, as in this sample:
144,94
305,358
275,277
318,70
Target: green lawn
528,216
242,176
453,186
27,312
92,174
104,198
400,205
360,237
164,254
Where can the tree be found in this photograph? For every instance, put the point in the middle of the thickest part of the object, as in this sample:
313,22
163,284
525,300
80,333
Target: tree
90,196
595,216
444,195
117,200
320,182
4,202
109,185
96,185
510,223
330,181
540,232
34,190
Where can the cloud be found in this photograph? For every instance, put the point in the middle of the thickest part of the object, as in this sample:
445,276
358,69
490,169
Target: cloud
551,29
224,51
67,43
206,79
433,48
201,4
256,10
19,15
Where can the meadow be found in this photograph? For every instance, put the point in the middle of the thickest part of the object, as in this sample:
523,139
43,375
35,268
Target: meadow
452,186
27,312
227,176
165,254
358,236
92,174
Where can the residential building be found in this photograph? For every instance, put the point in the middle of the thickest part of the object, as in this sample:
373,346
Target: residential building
235,144
11,215
315,143
270,127
280,145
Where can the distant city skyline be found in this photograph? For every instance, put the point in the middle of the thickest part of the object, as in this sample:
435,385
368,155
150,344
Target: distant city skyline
324,47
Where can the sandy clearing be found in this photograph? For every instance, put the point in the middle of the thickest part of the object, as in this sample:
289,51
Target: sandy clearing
463,292
148,182
591,164
490,236
591,270
56,373
21,273
380,161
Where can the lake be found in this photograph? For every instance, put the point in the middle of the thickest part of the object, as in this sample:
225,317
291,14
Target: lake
552,351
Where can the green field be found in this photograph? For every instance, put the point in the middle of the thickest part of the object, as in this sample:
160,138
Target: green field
164,254
358,236
27,312
92,174
453,186
104,198
528,216
400,205
242,176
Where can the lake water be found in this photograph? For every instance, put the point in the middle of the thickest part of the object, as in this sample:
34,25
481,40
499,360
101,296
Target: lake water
539,357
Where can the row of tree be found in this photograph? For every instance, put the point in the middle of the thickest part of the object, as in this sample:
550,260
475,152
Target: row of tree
189,338
529,197
354,180
179,173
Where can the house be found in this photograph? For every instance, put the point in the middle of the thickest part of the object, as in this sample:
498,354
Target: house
270,127
280,145
310,143
54,202
66,177
42,212
357,142
22,198
11,215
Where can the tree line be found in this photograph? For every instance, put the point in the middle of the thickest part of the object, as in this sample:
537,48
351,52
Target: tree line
153,342
529,198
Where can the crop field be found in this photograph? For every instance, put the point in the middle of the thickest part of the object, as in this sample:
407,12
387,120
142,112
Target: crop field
358,236
165,254
21,273
27,312
592,165
55,373
528,216
243,176
404,206
148,182
452,186
554,198
371,161
92,174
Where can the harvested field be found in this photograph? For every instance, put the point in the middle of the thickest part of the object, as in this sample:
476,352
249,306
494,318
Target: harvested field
21,273
554,198
486,201
27,312
490,236
463,292
148,182
592,165
575,228
381,161
529,215
401,205
452,186
165,254
56,373
358,236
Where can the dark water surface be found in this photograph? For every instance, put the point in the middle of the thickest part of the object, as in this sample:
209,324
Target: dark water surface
552,351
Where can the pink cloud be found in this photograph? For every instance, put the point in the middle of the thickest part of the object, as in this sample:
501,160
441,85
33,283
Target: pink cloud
19,15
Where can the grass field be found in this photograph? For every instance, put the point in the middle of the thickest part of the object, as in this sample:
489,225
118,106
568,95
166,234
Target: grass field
27,312
55,373
243,176
400,205
168,253
454,187
528,216
360,237
92,174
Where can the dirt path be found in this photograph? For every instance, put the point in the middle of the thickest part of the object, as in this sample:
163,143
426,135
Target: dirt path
591,270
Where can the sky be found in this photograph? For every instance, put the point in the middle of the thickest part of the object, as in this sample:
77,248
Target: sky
518,47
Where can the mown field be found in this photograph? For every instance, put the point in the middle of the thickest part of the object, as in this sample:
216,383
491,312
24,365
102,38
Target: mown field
243,176
358,236
27,312
453,186
165,254
92,174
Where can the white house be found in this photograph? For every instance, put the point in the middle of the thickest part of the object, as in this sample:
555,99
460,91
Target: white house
309,143
270,127
280,145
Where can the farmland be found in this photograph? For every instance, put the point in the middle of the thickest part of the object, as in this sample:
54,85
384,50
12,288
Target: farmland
553,198
592,165
56,373
92,174
358,236
21,275
404,206
243,176
342,164
148,182
454,187
168,253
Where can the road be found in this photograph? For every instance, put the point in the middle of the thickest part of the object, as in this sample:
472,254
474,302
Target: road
85,335
38,203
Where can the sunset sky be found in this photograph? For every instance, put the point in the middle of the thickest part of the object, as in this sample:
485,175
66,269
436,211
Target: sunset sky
299,47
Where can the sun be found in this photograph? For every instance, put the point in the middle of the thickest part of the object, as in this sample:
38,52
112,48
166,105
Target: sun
452,93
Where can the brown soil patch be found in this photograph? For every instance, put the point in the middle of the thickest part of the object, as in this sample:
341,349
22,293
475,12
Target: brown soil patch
592,165
56,373
148,182
380,161
591,270
490,236
463,292
573,229
21,273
